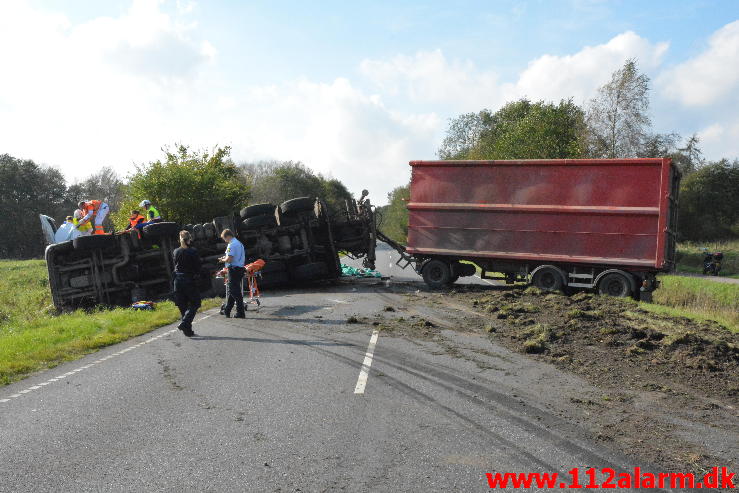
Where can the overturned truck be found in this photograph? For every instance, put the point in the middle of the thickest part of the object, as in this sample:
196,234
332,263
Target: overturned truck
300,241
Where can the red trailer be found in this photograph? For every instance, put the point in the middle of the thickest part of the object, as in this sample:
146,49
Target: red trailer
607,224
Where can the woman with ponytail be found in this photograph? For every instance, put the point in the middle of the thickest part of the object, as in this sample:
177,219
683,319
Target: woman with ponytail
187,272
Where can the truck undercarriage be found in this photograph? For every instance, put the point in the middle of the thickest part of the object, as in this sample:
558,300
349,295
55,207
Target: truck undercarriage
299,240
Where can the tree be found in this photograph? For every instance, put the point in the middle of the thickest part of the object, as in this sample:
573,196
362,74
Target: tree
709,202
618,123
519,130
187,186
689,157
27,190
394,216
276,181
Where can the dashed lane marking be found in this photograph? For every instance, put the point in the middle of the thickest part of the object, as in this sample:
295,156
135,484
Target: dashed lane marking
366,364
96,362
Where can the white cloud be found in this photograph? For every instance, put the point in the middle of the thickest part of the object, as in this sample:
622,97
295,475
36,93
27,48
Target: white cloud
113,91
579,75
710,76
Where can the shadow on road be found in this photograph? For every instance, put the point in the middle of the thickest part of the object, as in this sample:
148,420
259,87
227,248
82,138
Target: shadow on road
271,341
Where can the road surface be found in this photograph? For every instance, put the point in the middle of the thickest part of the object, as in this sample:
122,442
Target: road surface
294,398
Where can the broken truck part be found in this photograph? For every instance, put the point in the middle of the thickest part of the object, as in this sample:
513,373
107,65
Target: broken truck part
299,240
604,224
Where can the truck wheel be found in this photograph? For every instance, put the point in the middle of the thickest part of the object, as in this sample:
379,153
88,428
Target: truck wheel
437,274
274,278
63,247
615,284
210,231
94,242
548,279
260,222
156,230
257,210
301,204
307,272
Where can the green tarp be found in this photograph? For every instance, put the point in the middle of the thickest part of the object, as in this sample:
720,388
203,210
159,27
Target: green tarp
349,271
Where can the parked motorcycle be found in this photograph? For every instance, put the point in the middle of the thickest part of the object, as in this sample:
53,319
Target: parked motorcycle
712,262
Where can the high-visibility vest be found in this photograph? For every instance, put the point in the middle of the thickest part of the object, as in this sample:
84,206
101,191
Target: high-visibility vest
85,227
133,222
152,213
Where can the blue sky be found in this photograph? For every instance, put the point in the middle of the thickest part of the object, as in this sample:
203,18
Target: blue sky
354,89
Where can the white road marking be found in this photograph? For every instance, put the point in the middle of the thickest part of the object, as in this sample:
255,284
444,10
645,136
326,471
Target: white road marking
366,364
96,362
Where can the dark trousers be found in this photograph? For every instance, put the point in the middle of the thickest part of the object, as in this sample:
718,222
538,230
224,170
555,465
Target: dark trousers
235,294
187,298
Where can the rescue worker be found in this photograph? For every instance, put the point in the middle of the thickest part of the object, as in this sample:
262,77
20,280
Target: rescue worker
186,277
95,212
152,214
235,258
84,229
66,231
135,220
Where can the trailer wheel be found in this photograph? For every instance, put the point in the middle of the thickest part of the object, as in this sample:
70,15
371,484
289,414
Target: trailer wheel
437,274
548,279
615,284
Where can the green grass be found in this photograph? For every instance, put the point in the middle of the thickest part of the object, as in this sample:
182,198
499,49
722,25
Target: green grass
697,298
33,337
690,257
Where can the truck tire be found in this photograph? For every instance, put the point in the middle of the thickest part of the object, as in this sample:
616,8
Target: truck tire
260,222
548,278
615,284
300,204
61,248
437,274
276,278
94,242
308,272
257,210
198,232
210,231
157,230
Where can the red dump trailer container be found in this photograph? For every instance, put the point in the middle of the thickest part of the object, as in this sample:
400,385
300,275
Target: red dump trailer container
582,223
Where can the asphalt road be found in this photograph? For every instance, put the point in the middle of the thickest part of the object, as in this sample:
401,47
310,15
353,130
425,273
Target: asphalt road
268,404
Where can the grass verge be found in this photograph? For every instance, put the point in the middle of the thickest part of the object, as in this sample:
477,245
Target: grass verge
33,337
689,257
696,298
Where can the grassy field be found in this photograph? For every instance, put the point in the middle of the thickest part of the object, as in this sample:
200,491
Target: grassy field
690,257
698,298
32,337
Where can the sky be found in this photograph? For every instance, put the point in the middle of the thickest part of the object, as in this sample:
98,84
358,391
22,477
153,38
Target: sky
354,90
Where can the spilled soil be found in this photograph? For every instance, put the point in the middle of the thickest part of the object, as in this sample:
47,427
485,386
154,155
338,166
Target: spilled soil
662,380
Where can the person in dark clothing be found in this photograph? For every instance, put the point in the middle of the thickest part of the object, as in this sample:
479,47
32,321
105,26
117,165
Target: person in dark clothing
235,258
187,273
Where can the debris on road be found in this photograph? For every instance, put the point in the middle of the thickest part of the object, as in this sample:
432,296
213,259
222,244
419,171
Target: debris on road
349,271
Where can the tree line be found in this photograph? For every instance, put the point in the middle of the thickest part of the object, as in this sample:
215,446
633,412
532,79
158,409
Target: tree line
614,124
186,185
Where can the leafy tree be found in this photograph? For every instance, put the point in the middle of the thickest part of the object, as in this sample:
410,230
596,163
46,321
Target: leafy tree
187,186
659,145
689,157
27,190
276,181
394,216
519,130
617,117
709,202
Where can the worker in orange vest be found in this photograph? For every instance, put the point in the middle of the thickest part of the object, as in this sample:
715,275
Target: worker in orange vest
135,220
95,211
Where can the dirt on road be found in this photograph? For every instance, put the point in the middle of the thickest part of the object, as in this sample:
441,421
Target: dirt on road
668,386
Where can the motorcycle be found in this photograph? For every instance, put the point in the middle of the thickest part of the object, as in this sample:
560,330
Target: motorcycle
712,262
